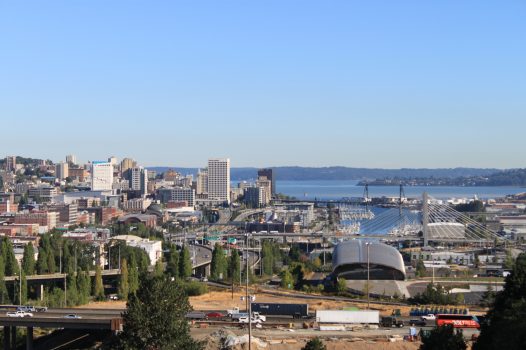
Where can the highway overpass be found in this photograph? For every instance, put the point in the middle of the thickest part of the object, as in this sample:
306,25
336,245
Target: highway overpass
103,319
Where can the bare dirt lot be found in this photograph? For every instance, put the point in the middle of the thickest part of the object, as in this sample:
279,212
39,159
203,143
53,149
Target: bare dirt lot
222,300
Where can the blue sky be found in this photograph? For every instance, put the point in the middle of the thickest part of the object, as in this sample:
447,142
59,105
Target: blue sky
266,83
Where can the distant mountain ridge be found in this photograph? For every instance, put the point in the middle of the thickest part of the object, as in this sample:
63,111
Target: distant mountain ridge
298,173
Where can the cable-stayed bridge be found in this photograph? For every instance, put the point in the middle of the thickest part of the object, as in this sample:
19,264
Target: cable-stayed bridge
434,221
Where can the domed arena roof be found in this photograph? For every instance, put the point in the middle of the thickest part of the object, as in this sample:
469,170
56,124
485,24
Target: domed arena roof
349,261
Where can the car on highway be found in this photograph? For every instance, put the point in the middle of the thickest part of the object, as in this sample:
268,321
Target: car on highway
73,316
214,315
19,314
26,308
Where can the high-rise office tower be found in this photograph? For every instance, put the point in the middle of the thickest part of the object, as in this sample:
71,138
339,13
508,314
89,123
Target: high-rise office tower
138,178
10,163
61,170
113,161
269,174
127,163
101,176
219,179
71,159
202,182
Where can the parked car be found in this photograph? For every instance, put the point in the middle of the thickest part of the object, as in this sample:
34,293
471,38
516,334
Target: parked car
73,316
244,319
214,315
196,315
429,317
19,314
390,321
417,322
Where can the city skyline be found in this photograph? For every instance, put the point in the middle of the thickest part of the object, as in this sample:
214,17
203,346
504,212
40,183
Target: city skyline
376,84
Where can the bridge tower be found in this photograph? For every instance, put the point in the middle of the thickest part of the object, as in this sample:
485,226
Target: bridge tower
401,198
425,218
366,196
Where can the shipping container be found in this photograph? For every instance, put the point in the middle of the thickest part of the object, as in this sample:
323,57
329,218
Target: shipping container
280,309
341,316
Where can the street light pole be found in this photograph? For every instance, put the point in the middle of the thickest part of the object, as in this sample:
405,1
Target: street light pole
20,290
249,306
368,277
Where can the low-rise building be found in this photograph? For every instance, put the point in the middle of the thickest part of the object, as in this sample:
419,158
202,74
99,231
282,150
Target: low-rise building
177,194
43,193
130,219
154,249
136,204
68,213
45,219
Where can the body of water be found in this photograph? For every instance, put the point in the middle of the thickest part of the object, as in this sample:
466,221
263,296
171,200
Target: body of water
335,189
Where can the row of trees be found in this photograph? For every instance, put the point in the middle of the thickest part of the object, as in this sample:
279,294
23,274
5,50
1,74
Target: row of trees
438,295
224,266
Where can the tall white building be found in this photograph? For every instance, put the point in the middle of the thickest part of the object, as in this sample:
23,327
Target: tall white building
62,171
71,159
113,160
219,179
101,176
139,180
202,182
10,163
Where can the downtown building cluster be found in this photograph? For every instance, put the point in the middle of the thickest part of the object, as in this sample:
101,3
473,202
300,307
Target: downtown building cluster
81,200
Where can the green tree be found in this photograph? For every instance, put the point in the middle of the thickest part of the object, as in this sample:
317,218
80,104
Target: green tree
72,295
185,264
267,258
488,298
98,289
443,338
158,270
11,264
508,261
28,259
420,268
341,286
298,273
506,319
83,287
133,276
42,267
4,295
172,264
155,317
234,265
287,281
314,344
218,266
24,288
124,285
